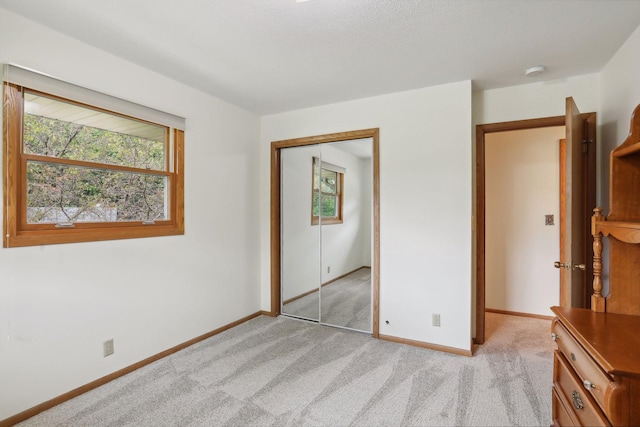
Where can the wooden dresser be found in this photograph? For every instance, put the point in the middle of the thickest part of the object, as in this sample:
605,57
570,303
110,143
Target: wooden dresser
596,374
596,371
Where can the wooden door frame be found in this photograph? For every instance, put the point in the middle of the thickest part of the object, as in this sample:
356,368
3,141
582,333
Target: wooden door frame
276,147
481,131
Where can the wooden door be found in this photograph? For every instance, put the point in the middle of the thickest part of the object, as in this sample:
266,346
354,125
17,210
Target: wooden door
578,194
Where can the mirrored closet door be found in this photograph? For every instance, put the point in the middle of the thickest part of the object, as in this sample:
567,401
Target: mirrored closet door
326,233
300,241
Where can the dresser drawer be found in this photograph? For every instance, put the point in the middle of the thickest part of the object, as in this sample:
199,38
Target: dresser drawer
591,376
576,400
560,415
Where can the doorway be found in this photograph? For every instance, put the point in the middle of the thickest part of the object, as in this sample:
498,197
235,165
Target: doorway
581,193
308,217
481,132
522,203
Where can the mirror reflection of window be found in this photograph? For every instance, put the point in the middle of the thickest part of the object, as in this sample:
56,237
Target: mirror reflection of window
328,187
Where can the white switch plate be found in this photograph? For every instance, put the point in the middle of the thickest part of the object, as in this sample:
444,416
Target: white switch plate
435,319
107,347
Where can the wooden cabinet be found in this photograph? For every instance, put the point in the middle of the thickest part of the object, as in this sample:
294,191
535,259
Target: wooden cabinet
596,378
622,228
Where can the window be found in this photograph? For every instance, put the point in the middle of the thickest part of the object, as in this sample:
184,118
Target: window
328,186
77,172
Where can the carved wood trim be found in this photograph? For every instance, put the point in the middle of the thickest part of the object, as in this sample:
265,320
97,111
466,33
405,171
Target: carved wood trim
597,300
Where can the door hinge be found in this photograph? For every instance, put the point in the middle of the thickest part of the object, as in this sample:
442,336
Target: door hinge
585,145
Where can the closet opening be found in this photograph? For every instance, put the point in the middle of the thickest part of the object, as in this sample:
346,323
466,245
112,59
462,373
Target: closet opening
325,229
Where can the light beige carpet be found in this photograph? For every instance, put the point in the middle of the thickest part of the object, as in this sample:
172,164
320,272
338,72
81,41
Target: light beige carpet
283,372
345,302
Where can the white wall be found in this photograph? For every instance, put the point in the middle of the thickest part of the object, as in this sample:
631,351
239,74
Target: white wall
620,96
521,187
59,303
425,203
536,100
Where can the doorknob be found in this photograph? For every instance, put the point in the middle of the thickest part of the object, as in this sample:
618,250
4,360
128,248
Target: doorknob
578,267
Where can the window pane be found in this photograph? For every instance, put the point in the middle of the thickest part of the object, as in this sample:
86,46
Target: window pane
316,175
60,193
329,181
59,129
316,203
329,206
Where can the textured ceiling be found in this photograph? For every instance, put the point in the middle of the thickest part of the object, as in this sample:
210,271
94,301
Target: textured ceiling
277,55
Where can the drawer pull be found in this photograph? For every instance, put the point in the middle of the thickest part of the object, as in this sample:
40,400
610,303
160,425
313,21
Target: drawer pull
573,357
588,384
554,336
577,402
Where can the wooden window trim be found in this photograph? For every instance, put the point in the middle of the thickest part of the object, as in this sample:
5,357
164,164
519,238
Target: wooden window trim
17,233
328,220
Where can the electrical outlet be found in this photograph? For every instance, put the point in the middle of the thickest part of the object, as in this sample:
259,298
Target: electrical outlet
435,319
107,347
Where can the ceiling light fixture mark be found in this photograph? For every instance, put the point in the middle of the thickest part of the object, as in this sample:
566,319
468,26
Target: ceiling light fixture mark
536,70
